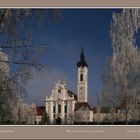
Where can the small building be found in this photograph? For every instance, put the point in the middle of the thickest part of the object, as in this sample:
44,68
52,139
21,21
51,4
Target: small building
83,113
106,114
40,111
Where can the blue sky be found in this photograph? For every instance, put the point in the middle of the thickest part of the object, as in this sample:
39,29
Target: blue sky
87,28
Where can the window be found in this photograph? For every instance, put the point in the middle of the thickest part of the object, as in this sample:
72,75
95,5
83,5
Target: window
65,108
53,109
54,116
59,108
81,77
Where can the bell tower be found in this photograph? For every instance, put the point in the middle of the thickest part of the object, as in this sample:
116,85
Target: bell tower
82,81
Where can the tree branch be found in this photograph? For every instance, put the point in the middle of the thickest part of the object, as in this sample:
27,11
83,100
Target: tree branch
24,46
22,63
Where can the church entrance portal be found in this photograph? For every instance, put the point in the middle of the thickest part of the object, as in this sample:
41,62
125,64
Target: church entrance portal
58,121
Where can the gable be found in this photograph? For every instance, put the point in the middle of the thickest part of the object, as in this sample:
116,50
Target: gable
60,92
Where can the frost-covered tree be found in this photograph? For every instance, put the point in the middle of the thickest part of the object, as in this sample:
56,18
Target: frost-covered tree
70,118
98,114
122,77
26,113
77,117
8,93
111,94
112,114
18,57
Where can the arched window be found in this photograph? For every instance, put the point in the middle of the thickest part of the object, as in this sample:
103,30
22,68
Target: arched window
65,108
53,109
81,77
59,108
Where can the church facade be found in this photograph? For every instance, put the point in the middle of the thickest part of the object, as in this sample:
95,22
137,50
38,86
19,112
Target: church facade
65,107
60,105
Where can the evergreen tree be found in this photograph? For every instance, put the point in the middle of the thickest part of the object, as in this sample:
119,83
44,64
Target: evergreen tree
45,119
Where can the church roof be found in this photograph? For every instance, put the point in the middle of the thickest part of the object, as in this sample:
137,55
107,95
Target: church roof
40,110
102,109
70,93
82,105
82,61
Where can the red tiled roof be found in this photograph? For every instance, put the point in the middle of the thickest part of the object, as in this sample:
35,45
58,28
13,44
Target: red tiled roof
40,110
82,104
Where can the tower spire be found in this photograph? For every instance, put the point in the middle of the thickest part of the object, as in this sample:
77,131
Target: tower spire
82,61
82,56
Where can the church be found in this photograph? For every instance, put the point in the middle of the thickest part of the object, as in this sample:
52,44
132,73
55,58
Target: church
64,106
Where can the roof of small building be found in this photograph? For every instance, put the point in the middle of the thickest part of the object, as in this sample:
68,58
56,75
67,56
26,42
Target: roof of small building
40,110
82,105
70,93
105,109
